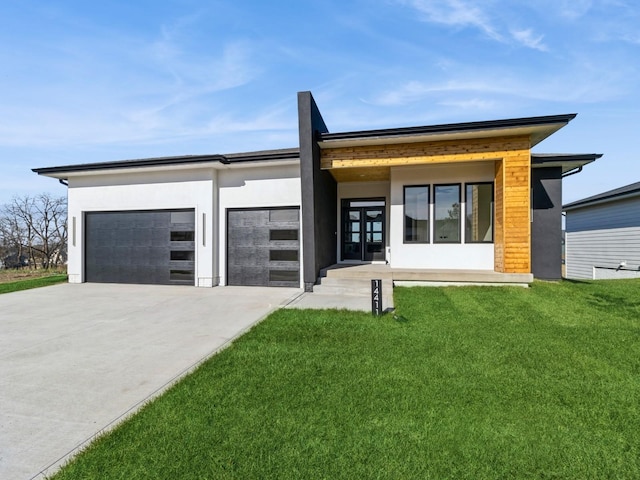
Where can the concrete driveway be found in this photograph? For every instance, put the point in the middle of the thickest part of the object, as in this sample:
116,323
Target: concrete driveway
76,359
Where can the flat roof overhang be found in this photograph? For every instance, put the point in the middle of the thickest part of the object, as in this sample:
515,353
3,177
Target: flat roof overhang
537,128
567,161
219,162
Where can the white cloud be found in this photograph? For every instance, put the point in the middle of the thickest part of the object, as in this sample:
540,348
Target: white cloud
117,88
529,39
633,38
470,104
467,14
457,13
574,9
579,83
415,91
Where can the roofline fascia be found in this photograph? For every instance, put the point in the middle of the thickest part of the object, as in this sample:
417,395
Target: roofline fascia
451,127
571,157
580,204
572,162
228,159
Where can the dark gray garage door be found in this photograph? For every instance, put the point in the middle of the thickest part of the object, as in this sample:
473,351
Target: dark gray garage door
156,247
263,247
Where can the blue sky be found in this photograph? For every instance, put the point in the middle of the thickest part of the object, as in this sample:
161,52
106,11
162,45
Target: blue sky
98,81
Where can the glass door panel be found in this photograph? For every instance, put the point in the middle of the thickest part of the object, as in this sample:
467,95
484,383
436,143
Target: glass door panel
374,246
351,234
363,230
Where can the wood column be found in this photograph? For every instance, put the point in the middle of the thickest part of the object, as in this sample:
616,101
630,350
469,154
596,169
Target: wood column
512,238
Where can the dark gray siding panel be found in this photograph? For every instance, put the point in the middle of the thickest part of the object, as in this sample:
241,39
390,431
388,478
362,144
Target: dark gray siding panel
546,227
263,247
319,194
136,247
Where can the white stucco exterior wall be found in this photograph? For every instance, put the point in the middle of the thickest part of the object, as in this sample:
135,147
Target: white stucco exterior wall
150,190
255,187
472,256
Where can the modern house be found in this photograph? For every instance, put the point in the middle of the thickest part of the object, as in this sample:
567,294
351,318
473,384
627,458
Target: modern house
603,235
467,197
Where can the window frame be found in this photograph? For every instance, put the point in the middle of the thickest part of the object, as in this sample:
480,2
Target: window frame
435,206
493,213
404,219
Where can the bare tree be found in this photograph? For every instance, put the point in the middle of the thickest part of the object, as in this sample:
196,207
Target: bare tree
35,227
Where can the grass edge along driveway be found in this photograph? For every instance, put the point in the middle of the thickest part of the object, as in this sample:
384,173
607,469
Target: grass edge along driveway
465,382
44,281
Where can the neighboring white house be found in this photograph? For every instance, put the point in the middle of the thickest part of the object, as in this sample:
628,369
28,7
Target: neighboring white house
603,235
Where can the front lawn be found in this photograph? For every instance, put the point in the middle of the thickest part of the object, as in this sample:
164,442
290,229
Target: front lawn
463,382
27,283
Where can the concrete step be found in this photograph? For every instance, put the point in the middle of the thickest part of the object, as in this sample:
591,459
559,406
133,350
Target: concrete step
362,272
354,286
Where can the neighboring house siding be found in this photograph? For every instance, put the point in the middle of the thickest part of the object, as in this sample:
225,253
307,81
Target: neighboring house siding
601,248
603,236
619,214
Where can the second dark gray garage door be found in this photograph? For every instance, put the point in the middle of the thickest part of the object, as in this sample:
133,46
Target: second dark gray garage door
154,247
263,247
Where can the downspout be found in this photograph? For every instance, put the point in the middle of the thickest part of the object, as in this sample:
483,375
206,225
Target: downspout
572,172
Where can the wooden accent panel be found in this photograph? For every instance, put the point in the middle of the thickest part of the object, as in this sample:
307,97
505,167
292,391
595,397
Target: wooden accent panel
449,151
371,174
498,234
513,225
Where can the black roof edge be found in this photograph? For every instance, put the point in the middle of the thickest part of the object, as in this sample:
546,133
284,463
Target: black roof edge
539,159
453,127
228,159
608,195
571,157
264,155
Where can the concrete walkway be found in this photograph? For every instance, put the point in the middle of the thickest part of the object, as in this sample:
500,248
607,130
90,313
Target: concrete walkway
76,359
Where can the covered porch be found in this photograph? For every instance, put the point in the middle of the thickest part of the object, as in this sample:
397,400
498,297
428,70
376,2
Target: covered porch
441,203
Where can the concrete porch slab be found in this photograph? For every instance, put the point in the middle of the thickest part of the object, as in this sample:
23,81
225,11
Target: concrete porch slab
440,276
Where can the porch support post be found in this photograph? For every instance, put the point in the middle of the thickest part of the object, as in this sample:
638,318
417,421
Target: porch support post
512,239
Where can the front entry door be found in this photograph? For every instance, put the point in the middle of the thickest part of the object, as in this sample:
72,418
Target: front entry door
363,230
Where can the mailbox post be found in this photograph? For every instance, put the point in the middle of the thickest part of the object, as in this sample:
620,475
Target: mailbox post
376,297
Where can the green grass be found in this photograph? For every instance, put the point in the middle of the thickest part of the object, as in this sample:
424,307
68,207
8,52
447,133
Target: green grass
463,383
27,284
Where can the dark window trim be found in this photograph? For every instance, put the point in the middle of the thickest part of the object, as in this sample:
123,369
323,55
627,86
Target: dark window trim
435,238
404,216
273,233
346,201
345,204
278,251
493,213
